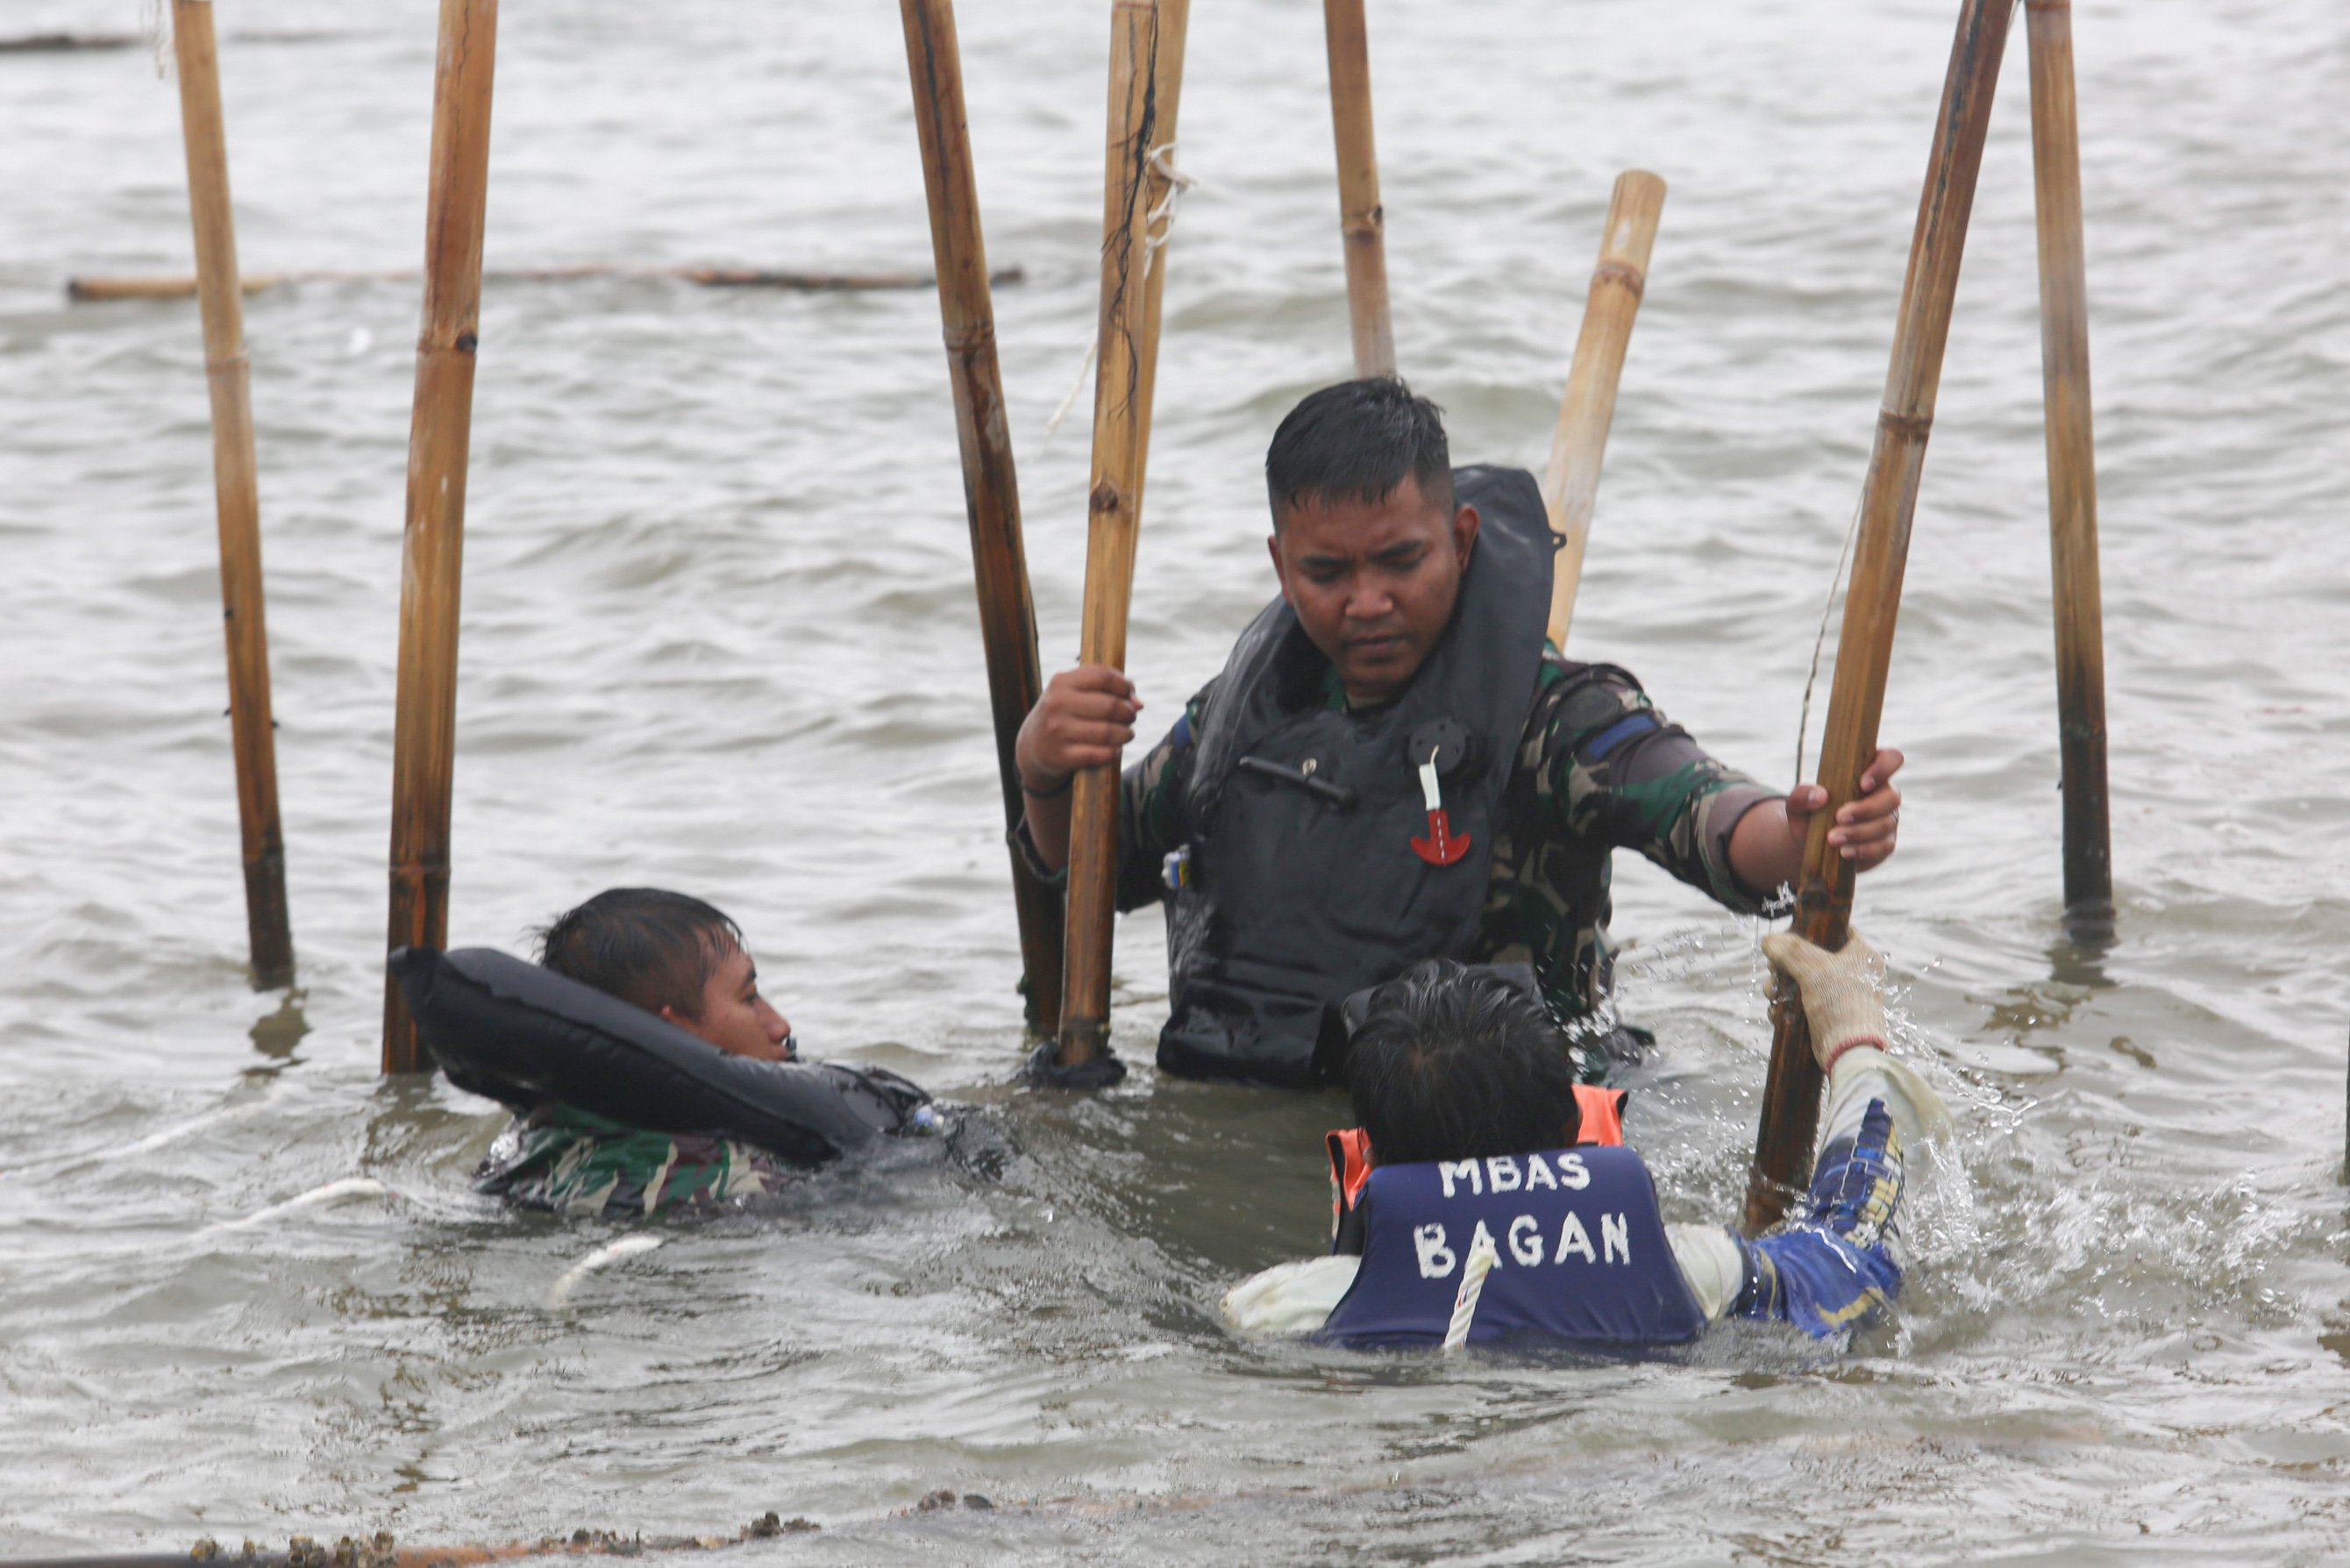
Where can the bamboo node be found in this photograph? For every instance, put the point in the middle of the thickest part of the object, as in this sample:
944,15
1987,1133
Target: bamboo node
466,342
1914,427
1103,498
1623,273
971,339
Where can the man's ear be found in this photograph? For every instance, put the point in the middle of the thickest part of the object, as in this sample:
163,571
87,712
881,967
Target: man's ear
1280,569
1464,534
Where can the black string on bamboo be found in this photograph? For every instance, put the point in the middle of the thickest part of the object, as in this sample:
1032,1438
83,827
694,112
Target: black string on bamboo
1791,1096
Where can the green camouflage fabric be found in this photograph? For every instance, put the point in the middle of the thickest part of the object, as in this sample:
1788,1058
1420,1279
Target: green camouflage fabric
576,1162
1591,778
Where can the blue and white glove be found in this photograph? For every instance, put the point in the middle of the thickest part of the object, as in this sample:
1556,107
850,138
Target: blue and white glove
1840,1265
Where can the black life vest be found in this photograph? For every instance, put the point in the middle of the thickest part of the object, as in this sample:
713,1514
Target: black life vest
1304,888
525,1035
1584,1258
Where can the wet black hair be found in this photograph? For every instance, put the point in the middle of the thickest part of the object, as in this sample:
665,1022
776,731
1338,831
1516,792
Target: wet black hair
648,947
1357,442
1455,1063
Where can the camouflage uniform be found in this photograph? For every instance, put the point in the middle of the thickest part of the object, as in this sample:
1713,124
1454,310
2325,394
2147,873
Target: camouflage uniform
1598,769
576,1162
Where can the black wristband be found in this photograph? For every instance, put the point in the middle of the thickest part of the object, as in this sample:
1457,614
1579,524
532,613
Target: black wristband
1068,782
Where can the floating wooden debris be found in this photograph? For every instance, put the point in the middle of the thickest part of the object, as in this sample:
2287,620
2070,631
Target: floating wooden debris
179,285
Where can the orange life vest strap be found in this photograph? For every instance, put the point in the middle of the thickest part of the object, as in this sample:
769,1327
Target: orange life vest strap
1601,1114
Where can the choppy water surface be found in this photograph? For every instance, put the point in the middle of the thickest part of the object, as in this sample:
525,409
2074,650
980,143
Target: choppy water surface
719,635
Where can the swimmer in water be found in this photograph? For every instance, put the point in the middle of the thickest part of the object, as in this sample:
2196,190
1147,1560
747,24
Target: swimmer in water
684,961
1479,1158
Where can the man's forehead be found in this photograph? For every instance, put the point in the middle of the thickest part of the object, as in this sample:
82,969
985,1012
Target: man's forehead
1352,527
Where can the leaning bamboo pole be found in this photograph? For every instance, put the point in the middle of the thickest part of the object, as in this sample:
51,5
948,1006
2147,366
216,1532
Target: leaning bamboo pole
1791,1096
236,494
2072,470
1362,222
424,727
1571,484
991,491
1113,519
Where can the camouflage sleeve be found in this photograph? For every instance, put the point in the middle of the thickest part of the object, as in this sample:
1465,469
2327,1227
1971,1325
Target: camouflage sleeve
575,1162
1150,815
1613,769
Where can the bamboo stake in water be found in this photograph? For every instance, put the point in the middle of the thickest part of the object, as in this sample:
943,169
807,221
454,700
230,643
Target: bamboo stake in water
1791,1097
236,494
2072,472
1007,615
1113,521
1166,97
1362,222
424,726
1571,484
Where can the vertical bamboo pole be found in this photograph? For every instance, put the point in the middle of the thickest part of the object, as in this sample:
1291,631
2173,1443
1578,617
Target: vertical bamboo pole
991,491
2072,470
432,551
1362,222
1113,522
1166,98
236,494
1571,484
1791,1096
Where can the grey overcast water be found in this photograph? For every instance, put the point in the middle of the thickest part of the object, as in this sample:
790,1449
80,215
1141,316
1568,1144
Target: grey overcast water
719,634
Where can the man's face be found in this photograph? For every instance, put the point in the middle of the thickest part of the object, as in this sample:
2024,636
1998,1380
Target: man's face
735,1017
1374,583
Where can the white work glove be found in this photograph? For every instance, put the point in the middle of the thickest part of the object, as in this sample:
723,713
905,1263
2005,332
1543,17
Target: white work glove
1844,1001
1843,992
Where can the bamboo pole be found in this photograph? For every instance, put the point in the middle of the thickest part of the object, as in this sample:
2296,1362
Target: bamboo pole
236,493
1571,484
1113,521
1791,1097
98,289
2072,472
1007,614
432,551
1362,222
1167,97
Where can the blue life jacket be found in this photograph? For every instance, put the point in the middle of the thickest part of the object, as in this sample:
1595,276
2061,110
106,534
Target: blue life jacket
1584,1258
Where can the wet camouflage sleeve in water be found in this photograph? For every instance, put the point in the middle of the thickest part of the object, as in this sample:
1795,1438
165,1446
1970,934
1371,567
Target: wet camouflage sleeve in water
1599,769
577,1163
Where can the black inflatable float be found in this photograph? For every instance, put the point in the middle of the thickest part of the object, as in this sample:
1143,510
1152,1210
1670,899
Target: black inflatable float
524,1035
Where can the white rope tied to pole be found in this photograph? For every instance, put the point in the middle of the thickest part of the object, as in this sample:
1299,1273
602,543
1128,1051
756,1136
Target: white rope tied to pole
1481,1259
1159,227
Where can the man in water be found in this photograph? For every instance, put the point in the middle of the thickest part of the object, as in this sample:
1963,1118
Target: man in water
1395,764
1477,1147
683,962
